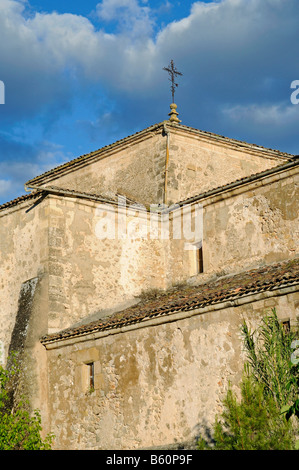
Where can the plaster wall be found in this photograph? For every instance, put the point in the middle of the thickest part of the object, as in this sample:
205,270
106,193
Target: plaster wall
253,227
242,229
154,385
141,167
198,164
24,296
86,274
23,257
91,269
136,171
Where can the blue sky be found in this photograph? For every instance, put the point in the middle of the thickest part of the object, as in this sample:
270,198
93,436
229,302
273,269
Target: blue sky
80,75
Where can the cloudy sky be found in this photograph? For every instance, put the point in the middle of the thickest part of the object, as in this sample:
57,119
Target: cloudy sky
79,75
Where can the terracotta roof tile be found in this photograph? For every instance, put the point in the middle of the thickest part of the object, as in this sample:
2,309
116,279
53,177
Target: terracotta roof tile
20,199
193,297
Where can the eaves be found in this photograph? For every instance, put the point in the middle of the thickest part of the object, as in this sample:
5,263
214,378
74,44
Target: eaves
168,317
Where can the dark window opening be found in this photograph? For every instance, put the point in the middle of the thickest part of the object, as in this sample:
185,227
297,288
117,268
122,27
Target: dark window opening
199,260
91,375
286,326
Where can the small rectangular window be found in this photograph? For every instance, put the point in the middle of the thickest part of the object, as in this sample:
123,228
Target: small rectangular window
195,258
199,260
90,367
286,326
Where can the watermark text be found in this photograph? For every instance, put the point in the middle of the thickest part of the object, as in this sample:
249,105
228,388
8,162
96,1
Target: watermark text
2,92
136,222
295,94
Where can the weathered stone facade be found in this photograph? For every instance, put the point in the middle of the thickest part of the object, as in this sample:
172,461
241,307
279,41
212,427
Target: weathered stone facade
156,383
65,279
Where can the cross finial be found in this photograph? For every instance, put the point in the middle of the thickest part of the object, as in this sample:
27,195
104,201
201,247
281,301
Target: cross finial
173,73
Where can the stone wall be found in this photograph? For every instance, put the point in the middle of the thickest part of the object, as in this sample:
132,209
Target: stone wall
135,170
257,224
60,238
199,162
24,295
23,257
90,268
164,164
155,384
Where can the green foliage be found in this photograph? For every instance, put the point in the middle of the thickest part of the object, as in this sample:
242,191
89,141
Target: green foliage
269,356
19,430
293,408
260,419
253,423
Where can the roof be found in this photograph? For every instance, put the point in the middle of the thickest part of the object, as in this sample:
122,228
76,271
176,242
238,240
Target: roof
111,199
88,158
187,298
20,199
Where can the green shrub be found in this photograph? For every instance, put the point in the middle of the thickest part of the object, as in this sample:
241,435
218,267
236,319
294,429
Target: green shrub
261,418
269,356
19,429
253,423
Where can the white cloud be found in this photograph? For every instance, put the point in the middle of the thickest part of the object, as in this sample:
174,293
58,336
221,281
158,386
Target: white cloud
133,19
226,50
232,38
264,115
21,161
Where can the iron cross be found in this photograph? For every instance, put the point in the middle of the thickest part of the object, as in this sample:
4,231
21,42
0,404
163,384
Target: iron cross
173,73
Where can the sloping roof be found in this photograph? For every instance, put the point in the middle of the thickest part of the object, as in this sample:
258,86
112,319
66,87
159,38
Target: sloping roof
88,158
111,199
20,199
193,297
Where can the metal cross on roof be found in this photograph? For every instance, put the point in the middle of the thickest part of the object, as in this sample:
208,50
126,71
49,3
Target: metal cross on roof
173,73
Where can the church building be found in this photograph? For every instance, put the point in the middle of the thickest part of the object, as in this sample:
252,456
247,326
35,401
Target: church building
126,274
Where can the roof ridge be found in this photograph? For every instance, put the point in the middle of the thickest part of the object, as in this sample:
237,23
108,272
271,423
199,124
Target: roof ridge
231,139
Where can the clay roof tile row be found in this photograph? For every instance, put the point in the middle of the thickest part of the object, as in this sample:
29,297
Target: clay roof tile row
193,297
